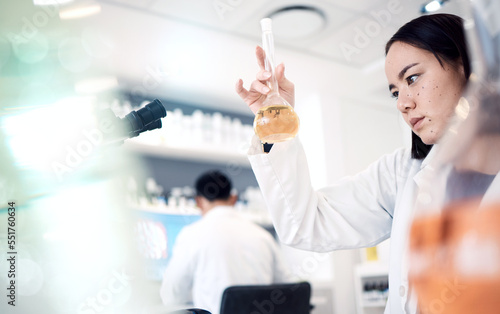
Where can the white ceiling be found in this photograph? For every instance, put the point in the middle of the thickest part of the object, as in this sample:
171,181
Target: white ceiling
195,50
344,21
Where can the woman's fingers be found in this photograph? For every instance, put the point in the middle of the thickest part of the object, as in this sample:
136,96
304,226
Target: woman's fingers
256,90
283,82
280,72
254,96
287,88
261,55
240,90
260,87
263,75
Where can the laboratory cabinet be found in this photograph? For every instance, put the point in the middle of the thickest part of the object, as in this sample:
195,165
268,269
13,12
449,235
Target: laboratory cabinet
371,282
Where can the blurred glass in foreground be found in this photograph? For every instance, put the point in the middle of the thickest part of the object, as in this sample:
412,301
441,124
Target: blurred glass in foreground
455,237
67,236
67,241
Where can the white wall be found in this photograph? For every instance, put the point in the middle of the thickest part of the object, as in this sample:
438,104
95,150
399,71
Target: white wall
368,131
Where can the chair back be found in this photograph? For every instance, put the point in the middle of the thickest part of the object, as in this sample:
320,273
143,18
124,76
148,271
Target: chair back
267,299
191,311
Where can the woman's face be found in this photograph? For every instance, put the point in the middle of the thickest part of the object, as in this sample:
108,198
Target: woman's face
426,92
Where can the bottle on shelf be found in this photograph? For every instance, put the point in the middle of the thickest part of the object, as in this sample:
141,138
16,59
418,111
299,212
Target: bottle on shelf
276,121
154,192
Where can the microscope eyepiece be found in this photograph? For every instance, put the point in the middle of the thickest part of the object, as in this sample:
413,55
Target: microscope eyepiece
145,119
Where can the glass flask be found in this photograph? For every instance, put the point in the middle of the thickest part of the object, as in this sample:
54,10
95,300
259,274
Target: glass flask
276,121
454,240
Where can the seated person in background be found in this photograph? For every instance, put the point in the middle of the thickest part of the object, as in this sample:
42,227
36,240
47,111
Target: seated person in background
222,249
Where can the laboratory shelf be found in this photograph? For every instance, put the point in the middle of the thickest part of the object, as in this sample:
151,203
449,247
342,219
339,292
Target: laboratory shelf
225,156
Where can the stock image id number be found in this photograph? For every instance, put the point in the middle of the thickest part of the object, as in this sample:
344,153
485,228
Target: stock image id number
11,223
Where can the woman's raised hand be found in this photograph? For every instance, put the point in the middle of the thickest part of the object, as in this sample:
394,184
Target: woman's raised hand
255,96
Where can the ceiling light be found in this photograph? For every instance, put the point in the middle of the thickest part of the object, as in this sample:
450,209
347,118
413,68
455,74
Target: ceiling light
432,6
79,11
297,22
50,2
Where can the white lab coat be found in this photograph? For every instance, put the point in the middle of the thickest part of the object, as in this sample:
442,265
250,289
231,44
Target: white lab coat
358,211
220,250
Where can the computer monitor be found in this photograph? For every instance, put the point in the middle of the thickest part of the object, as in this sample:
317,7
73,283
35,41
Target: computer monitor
156,233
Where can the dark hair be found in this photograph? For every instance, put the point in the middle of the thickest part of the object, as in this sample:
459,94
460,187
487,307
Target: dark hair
213,185
444,36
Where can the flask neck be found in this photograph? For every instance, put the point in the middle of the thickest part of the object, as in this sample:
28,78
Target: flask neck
270,66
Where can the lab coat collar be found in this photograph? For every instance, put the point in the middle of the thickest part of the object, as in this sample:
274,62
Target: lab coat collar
435,148
425,168
220,210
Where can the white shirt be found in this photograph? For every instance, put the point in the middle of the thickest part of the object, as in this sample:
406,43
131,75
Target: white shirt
220,250
358,211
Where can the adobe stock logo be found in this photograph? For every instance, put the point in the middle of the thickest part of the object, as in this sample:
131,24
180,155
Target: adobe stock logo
75,155
363,36
38,20
224,6
448,294
116,285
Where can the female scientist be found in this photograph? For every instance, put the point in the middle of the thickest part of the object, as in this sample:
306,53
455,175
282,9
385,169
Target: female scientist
427,68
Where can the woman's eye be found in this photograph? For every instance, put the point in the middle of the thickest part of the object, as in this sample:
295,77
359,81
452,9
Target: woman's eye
395,94
411,79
